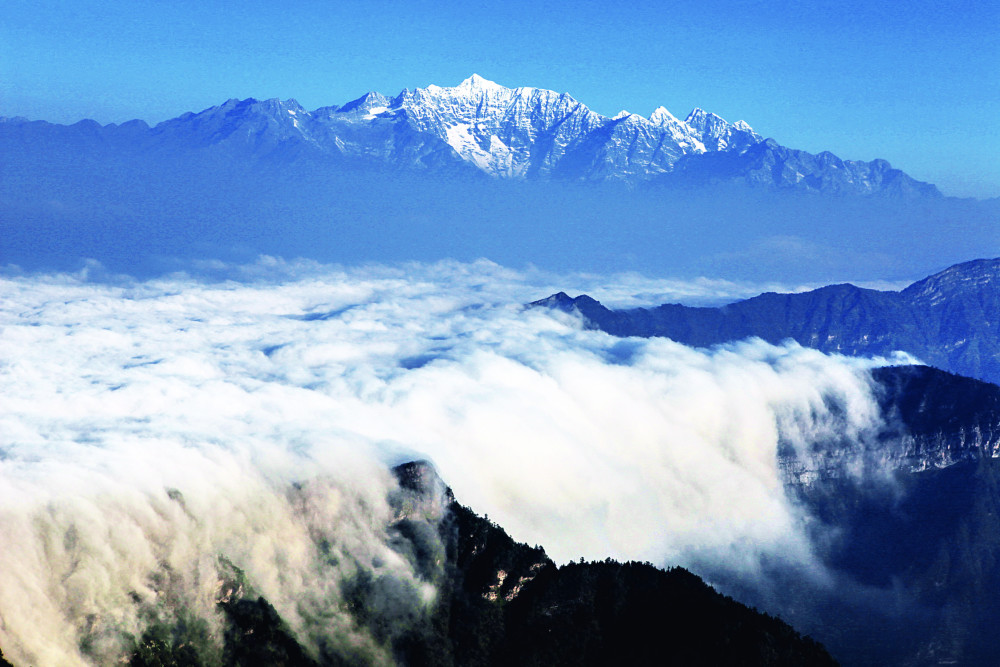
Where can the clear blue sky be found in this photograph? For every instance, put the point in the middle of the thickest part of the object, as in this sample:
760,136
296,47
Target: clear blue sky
916,83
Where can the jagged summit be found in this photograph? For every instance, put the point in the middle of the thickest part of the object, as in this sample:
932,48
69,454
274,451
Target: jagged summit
531,132
517,133
476,82
474,86
522,132
366,102
661,116
720,135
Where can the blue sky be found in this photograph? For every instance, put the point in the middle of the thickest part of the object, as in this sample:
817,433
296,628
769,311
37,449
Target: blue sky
916,84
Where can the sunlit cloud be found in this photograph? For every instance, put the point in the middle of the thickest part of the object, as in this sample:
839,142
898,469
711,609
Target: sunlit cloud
156,426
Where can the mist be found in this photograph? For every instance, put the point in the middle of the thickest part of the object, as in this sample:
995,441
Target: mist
148,216
158,434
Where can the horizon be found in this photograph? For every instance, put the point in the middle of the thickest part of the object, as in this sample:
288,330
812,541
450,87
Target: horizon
310,108
855,80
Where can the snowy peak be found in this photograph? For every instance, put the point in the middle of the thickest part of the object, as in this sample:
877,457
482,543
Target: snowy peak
506,132
661,116
498,129
515,133
366,103
680,131
719,135
478,83
531,132
470,92
701,118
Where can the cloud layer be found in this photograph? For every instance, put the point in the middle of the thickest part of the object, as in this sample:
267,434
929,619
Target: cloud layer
151,428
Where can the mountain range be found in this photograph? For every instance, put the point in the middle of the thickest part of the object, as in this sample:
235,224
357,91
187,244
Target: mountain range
948,320
906,518
516,175
511,133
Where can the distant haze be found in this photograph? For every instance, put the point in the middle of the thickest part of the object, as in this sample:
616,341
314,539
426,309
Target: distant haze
864,81
155,224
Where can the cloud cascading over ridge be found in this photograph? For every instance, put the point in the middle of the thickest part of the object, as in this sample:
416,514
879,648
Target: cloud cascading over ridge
156,427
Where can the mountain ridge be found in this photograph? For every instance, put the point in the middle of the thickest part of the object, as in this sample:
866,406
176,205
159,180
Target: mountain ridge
495,601
948,319
508,133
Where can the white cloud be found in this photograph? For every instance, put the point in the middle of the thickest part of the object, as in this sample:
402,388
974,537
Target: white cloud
229,393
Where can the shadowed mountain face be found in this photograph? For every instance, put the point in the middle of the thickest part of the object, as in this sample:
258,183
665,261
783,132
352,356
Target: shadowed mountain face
768,164
505,603
949,320
909,523
907,519
497,602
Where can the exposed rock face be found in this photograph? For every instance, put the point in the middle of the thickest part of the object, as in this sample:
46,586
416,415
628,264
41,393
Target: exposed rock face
931,420
476,126
905,518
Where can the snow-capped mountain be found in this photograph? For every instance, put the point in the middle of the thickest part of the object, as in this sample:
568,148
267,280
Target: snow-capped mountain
477,127
522,132
505,132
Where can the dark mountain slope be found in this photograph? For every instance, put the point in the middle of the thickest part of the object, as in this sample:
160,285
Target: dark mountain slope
505,603
908,519
498,602
916,556
507,610
950,320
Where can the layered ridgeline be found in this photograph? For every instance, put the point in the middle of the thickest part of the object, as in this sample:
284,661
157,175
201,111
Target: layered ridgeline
516,175
477,125
949,320
907,518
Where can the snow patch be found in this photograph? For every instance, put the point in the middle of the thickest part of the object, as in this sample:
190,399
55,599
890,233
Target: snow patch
375,111
460,138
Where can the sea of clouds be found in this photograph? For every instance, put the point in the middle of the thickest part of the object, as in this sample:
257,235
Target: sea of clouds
148,429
